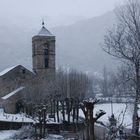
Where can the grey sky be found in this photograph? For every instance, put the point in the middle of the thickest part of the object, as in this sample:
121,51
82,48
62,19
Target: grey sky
58,9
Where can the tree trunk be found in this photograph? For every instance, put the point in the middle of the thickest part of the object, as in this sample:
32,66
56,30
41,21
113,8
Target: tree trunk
57,111
63,110
51,107
73,114
44,123
87,132
135,114
91,130
54,110
40,127
77,114
68,111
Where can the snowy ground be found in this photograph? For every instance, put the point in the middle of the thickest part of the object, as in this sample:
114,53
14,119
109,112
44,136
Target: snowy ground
123,113
7,134
118,110
14,117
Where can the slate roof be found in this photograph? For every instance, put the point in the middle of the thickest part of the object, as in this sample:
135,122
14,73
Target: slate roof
6,70
12,68
44,32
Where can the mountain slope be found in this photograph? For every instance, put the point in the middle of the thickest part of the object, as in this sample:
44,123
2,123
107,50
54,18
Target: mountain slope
77,45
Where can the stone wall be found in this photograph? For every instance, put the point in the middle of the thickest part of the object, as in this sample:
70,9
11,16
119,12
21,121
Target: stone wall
38,46
18,76
9,82
9,104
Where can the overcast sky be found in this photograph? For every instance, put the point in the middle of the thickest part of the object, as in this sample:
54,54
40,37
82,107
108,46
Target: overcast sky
56,9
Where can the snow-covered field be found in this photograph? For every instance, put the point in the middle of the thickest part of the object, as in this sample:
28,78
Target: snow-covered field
8,134
5,135
119,112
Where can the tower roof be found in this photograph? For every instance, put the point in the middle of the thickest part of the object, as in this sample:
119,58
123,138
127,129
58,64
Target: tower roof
43,31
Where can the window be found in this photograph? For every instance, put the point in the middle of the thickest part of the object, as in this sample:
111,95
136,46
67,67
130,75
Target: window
46,49
33,50
23,71
46,62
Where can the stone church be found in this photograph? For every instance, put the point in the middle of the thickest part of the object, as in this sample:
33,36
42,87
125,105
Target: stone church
14,80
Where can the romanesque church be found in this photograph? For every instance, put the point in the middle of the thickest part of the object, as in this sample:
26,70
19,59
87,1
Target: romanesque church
14,80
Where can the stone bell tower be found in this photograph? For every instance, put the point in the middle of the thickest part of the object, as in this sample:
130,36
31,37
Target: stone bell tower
43,53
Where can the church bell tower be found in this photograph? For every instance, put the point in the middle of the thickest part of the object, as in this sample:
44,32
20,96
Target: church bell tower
43,52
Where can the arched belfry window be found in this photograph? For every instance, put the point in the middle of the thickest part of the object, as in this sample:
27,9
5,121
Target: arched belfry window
33,50
46,53
46,49
46,62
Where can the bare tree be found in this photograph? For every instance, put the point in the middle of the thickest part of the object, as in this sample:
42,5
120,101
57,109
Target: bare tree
105,82
73,84
80,85
124,43
48,91
87,107
125,82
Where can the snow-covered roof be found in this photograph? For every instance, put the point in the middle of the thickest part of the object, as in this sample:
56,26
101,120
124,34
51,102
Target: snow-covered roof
44,32
12,93
6,70
11,68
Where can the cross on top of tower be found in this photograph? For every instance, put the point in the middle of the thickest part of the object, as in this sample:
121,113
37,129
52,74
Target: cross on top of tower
43,31
43,23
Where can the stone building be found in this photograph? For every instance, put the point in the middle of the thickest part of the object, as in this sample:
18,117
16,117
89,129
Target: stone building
43,52
14,80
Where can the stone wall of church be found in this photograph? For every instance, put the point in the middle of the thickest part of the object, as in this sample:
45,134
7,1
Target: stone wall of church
9,105
19,76
15,78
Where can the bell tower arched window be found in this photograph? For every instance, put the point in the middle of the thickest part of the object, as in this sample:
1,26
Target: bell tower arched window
46,62
46,55
46,49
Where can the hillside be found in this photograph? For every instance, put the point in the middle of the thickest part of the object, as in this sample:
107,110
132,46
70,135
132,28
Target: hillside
78,45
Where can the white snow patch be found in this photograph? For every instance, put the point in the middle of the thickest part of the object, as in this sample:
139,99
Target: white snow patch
12,93
55,137
14,117
6,134
118,110
6,70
